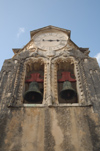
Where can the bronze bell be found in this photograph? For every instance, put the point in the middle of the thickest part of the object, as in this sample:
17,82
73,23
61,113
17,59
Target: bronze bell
33,95
67,93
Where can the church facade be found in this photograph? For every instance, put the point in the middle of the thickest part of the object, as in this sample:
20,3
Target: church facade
50,96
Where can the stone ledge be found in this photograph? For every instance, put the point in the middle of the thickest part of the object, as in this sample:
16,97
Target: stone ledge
55,105
71,105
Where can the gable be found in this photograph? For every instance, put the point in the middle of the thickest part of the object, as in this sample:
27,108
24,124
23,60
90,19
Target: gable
31,45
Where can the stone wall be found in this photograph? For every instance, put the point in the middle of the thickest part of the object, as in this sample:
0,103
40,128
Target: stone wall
50,126
50,129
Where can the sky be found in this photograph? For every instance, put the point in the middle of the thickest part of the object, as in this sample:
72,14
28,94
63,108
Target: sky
19,17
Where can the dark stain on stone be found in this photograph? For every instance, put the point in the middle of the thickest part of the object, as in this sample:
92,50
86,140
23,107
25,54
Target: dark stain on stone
64,122
95,134
49,141
3,123
3,84
18,144
15,131
16,147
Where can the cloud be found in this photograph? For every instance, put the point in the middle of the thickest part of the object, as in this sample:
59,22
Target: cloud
20,31
98,58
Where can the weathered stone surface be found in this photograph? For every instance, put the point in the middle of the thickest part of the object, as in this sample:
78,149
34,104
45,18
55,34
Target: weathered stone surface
58,129
50,126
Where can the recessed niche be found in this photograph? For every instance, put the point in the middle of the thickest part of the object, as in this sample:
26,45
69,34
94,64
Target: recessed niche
67,92
33,91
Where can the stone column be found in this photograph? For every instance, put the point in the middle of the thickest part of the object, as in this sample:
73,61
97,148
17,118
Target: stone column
48,82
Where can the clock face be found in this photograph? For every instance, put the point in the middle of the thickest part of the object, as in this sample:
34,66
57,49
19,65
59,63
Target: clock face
50,40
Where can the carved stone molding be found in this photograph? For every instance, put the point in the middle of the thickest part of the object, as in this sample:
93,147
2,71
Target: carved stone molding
79,83
31,60
59,59
86,95
40,61
54,83
71,60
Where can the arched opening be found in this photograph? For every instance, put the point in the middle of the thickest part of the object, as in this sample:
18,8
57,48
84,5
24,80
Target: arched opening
67,92
33,91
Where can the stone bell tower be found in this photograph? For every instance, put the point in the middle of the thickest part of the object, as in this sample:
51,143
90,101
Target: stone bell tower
50,96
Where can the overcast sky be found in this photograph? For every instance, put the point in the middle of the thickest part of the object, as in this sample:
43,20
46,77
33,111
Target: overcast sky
19,17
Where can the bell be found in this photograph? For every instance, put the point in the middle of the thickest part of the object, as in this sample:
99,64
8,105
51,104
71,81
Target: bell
67,92
33,95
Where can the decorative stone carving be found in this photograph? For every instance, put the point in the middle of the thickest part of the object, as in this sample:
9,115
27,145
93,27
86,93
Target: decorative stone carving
21,63
76,125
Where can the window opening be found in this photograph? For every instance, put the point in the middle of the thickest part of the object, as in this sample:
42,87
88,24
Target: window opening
67,92
33,93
